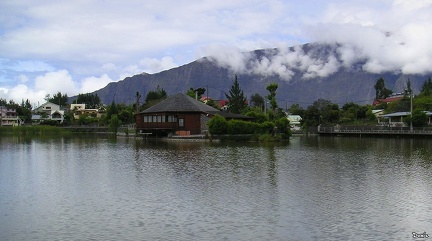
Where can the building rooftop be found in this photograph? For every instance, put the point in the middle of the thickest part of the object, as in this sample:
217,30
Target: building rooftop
183,103
180,103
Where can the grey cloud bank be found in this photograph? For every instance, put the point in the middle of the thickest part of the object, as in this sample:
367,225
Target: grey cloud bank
92,43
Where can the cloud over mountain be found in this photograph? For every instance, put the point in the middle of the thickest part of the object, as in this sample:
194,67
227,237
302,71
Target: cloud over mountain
98,42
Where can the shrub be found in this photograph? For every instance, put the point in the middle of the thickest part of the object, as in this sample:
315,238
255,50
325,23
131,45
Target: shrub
238,127
283,127
267,127
218,125
259,116
49,123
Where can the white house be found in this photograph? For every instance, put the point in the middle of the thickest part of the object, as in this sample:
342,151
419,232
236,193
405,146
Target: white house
294,122
396,119
48,111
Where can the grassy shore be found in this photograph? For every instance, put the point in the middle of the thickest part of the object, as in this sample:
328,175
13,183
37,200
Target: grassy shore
33,130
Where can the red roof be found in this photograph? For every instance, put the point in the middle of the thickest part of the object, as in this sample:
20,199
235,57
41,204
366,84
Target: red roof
387,100
204,98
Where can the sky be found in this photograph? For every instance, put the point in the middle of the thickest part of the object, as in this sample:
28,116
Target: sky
80,46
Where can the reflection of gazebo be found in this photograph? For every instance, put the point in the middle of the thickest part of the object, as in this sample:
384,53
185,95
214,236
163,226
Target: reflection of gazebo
396,119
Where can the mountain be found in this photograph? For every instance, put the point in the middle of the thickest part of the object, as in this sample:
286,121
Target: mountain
304,74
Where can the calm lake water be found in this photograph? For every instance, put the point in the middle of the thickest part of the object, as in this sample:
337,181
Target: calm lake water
312,188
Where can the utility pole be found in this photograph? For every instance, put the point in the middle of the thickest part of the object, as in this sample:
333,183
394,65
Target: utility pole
411,125
138,96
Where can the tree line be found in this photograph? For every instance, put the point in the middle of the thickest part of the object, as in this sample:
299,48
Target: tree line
262,108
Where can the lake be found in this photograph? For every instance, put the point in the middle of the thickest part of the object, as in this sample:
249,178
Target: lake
312,188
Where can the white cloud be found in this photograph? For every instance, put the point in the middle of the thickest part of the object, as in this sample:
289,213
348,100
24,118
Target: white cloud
153,65
226,56
91,84
57,81
50,83
391,38
282,62
23,92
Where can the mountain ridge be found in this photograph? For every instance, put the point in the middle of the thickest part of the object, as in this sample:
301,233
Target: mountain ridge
312,76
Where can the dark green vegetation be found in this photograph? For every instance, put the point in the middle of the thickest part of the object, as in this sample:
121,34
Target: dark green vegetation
238,130
325,112
237,100
381,92
33,130
61,99
267,125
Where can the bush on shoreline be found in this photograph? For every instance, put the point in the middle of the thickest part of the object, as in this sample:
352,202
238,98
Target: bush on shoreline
239,130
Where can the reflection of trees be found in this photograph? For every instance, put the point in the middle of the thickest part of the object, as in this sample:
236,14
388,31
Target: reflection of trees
271,166
138,159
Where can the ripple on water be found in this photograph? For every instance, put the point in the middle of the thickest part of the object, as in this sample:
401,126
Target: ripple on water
312,188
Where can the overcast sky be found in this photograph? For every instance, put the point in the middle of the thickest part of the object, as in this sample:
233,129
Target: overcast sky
80,46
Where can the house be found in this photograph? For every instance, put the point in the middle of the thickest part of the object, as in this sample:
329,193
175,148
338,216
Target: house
294,121
9,117
80,109
179,114
396,119
378,113
223,104
389,99
205,99
48,111
393,119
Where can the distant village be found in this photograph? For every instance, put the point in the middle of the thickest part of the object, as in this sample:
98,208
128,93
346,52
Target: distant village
191,113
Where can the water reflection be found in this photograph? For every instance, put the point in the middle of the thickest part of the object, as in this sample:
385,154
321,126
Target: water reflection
312,188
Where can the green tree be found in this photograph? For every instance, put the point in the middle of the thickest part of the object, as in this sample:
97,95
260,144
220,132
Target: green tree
196,93
154,96
59,99
283,126
3,102
296,109
24,111
126,115
419,118
112,110
400,105
114,124
352,112
426,89
423,102
329,112
408,89
258,116
257,100
237,100
311,117
381,92
218,125
272,96
92,101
